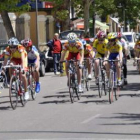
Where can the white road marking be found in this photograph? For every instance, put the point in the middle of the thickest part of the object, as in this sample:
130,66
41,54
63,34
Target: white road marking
91,118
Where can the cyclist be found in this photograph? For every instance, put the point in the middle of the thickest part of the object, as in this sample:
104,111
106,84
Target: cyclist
76,51
114,52
137,49
88,54
99,47
33,57
125,53
18,56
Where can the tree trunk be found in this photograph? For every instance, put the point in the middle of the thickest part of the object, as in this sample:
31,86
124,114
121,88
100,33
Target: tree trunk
7,24
86,16
66,23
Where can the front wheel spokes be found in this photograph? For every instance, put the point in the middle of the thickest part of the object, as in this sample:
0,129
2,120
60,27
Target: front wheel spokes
116,92
100,86
22,95
110,86
32,87
105,82
71,91
13,92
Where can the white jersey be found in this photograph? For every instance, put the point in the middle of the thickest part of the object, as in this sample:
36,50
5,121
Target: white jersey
32,55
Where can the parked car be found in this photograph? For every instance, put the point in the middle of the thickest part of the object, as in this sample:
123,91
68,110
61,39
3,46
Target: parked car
42,58
63,35
131,37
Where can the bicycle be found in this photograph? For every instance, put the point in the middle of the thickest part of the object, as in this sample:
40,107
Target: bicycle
3,78
102,83
31,81
16,89
85,80
72,80
113,88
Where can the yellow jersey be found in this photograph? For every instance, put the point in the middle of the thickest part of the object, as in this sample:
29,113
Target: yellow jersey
78,47
115,48
16,54
137,46
100,48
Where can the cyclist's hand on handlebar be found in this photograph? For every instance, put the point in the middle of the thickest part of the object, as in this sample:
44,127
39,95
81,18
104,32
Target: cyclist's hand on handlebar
105,59
80,66
11,64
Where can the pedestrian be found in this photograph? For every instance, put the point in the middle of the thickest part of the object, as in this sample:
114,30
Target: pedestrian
55,46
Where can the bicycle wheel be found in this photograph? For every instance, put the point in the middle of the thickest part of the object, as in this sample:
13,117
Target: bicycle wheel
104,82
110,86
75,88
100,83
5,84
13,92
32,87
22,94
122,79
71,90
87,82
83,82
116,88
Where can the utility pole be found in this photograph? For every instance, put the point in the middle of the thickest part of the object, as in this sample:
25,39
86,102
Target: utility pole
93,19
37,24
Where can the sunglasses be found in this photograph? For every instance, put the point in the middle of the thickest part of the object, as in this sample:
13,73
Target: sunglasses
111,40
101,39
13,47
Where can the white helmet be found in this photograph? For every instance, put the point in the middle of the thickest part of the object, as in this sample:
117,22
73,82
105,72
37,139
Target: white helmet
72,37
13,41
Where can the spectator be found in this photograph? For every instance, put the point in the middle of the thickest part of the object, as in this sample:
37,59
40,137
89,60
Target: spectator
56,47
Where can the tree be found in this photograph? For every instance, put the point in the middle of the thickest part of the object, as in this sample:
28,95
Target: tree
7,6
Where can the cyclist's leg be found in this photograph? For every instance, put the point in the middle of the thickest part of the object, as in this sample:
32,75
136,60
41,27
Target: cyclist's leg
118,68
79,73
88,63
125,70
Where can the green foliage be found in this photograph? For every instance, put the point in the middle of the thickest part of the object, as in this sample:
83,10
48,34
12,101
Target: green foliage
10,6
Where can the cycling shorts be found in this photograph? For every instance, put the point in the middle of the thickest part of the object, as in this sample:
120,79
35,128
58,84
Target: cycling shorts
31,61
17,61
75,56
99,55
87,55
113,56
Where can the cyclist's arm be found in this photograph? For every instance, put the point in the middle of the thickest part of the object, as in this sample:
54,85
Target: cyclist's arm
23,60
120,54
63,53
6,58
37,59
82,55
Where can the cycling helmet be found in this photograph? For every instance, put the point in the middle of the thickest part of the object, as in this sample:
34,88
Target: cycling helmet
13,41
72,37
101,34
112,36
83,41
27,43
119,34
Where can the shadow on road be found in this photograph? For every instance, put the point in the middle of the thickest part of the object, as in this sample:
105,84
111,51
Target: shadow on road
133,72
132,87
5,108
96,102
124,117
55,102
71,132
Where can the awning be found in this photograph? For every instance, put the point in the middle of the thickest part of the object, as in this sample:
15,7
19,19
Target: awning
99,24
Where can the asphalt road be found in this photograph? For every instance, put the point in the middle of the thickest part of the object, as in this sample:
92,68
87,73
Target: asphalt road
53,116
